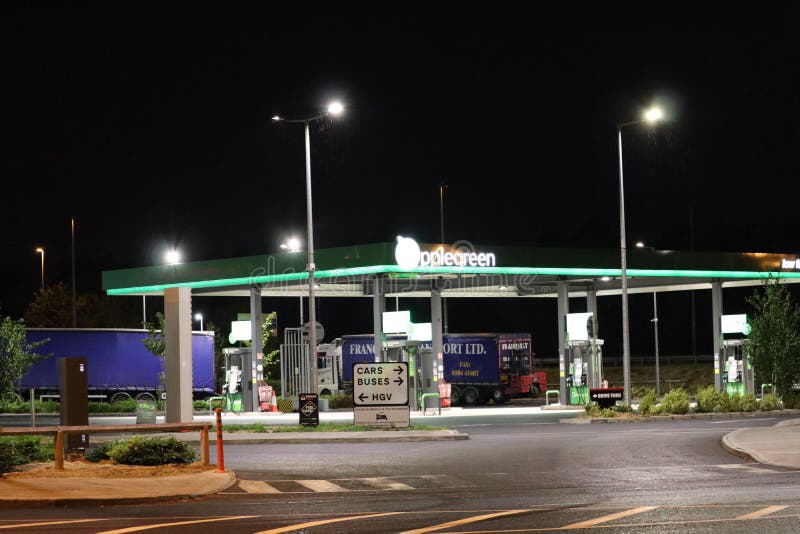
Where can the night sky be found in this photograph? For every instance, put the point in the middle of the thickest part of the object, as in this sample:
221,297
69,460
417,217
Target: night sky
151,126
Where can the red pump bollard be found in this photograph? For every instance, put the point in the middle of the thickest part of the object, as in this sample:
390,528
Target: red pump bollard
220,453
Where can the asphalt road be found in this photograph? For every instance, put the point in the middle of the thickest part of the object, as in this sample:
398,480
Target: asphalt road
522,474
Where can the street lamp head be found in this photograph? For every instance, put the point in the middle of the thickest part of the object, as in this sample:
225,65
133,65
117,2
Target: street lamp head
198,316
291,245
653,114
277,118
39,250
639,244
335,108
172,257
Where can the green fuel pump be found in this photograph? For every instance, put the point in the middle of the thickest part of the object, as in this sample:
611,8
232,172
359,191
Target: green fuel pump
585,369
737,375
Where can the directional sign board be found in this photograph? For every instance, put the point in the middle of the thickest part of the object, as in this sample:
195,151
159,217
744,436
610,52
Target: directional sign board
381,416
380,384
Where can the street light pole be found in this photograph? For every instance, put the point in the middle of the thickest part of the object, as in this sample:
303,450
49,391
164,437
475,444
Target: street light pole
442,187
334,108
40,250
626,342
652,115
655,332
312,308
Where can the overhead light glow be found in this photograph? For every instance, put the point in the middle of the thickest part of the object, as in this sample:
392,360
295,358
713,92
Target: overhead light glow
172,257
653,114
292,245
605,279
277,118
198,316
639,244
335,108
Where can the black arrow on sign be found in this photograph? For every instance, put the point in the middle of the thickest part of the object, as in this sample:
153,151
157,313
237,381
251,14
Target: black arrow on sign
398,370
398,381
361,397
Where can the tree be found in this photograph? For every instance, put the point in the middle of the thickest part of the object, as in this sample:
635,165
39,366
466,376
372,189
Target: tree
17,356
154,342
271,347
775,335
52,308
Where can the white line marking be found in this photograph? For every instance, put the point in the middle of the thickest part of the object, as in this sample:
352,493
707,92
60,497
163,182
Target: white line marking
385,483
760,513
320,485
723,422
257,486
607,518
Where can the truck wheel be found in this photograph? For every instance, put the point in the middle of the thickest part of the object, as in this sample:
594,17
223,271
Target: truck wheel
120,396
498,396
455,396
145,396
535,391
471,396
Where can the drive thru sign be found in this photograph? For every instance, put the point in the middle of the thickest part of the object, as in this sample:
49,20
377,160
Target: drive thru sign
380,384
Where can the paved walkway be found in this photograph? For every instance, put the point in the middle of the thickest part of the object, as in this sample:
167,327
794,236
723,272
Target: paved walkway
774,445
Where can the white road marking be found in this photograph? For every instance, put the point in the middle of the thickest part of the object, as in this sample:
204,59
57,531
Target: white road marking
257,486
320,485
607,518
386,483
760,513
723,422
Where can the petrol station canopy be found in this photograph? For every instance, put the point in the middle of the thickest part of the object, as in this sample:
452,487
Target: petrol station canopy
458,270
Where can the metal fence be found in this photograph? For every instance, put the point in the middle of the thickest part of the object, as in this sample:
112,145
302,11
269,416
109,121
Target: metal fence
294,364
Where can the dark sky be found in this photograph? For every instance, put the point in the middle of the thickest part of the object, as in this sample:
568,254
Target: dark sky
152,127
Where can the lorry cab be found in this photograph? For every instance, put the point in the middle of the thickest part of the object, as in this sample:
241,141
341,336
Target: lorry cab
329,358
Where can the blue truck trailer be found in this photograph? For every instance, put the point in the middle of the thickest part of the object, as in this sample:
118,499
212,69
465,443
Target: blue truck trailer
479,367
118,364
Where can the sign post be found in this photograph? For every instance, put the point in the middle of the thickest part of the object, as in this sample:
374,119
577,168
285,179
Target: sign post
309,409
380,394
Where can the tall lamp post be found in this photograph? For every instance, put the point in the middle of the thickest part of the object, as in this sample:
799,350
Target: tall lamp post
334,109
40,250
652,115
293,245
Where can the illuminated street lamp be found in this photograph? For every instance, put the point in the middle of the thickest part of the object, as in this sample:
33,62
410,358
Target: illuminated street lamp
40,250
334,109
199,317
291,245
172,257
652,116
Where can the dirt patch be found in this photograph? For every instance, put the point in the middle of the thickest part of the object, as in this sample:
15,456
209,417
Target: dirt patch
105,469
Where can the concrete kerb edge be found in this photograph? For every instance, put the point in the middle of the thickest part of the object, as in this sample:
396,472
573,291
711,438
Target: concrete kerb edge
12,503
673,417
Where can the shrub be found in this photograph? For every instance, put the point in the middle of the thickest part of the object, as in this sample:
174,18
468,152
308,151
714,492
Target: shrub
647,402
748,403
676,401
708,399
339,401
151,451
734,403
23,450
100,452
124,406
791,400
623,408
608,412
656,409
21,406
768,403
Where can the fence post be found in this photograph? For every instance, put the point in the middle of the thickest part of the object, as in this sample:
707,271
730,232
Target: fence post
32,397
204,445
220,453
59,452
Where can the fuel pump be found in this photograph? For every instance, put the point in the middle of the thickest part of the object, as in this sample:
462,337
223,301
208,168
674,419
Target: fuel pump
240,387
584,356
585,369
737,375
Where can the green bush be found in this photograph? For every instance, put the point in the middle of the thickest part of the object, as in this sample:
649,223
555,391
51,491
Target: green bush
151,451
676,401
339,401
647,402
21,406
708,399
768,403
748,403
791,400
23,450
734,403
125,406
657,409
100,452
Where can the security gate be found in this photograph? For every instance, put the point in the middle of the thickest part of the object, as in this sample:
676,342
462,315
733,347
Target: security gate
295,364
